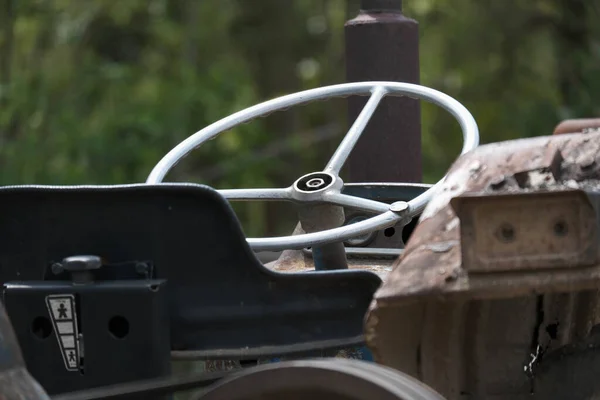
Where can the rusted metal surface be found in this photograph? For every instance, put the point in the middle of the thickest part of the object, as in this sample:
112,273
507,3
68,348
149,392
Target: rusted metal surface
294,261
471,333
570,372
582,125
432,262
15,381
508,232
383,45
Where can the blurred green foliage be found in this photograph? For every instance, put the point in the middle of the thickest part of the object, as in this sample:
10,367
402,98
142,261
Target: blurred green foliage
96,91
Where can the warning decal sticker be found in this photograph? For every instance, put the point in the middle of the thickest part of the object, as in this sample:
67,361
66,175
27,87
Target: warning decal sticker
61,308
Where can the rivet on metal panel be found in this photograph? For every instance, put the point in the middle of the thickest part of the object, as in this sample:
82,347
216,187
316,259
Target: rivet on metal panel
506,233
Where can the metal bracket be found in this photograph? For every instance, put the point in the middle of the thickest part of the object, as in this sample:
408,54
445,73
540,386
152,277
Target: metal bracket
527,230
393,237
84,333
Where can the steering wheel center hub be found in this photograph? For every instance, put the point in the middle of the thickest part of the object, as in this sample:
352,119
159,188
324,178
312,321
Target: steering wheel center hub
317,182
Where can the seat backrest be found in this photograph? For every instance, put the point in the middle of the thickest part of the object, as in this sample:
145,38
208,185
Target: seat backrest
221,301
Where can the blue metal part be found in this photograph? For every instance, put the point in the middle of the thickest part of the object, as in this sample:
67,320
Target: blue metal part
320,264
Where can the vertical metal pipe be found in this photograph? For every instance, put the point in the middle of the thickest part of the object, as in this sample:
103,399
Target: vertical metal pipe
382,44
316,218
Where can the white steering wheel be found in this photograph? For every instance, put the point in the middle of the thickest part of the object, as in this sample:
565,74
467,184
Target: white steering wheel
325,187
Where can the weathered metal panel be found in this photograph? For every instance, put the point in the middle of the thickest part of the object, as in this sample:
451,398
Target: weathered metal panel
471,333
432,263
527,231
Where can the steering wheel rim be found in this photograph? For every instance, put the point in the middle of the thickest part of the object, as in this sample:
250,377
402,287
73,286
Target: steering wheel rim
325,186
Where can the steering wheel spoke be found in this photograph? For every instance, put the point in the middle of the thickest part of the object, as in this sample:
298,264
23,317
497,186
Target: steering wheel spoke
270,194
315,239
357,203
341,154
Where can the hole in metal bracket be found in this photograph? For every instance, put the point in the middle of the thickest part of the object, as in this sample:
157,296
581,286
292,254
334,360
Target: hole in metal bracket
561,228
118,326
506,233
41,327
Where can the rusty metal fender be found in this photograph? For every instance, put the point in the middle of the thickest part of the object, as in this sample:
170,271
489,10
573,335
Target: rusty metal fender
469,315
432,263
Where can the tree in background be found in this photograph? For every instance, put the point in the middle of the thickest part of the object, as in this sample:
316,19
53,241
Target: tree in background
97,91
